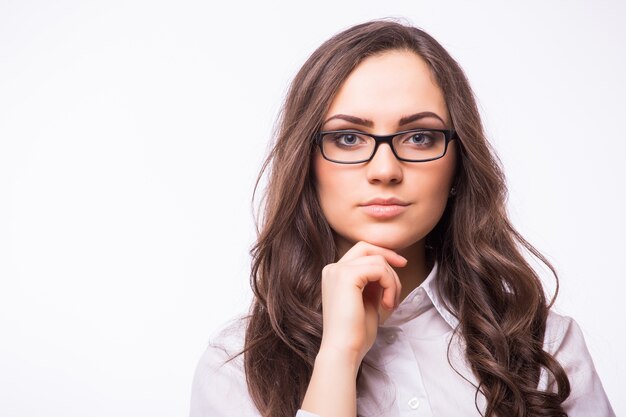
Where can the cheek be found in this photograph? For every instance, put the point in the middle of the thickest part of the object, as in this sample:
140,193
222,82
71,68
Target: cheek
329,183
430,189
435,185
430,196
434,180
333,185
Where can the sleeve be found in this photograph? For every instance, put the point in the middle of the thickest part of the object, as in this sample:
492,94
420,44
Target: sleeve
302,413
587,397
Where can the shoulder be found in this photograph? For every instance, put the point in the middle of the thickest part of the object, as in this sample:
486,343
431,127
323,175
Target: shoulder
565,341
564,338
559,329
219,385
224,344
228,340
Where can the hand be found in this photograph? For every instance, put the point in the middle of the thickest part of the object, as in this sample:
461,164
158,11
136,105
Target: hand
354,292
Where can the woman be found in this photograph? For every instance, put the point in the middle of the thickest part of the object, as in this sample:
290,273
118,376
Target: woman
387,277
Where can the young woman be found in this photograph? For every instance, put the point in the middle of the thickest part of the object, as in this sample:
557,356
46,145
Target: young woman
388,280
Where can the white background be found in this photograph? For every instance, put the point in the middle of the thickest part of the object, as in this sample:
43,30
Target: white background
131,134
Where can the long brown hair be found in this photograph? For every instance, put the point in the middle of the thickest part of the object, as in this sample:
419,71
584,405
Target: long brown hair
490,287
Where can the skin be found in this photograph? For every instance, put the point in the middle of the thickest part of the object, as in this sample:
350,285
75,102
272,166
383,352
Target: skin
371,93
381,260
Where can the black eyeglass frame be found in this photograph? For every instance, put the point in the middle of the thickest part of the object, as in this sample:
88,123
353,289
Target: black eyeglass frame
450,134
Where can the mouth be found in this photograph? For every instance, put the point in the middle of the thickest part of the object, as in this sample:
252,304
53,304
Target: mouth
390,201
384,208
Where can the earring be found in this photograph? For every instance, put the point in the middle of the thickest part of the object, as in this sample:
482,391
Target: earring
453,191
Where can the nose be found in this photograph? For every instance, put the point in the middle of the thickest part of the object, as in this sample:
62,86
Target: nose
384,167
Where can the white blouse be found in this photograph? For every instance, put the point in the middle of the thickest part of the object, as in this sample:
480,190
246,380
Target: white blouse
417,380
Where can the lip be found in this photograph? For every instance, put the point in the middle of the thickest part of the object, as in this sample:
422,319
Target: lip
385,202
384,208
384,211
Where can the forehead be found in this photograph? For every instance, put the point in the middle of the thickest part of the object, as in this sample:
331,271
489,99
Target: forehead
387,86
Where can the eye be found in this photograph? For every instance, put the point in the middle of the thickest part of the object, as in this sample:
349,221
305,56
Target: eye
347,139
419,139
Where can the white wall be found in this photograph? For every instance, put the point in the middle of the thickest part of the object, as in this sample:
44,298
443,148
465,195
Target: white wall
125,222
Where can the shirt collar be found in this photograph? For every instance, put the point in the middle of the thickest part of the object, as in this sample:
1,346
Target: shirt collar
408,307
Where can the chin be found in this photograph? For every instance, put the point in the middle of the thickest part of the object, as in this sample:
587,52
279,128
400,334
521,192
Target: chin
395,238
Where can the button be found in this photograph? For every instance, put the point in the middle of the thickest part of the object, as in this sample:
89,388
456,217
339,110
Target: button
390,337
414,403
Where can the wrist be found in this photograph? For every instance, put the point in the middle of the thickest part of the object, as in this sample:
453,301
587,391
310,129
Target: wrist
342,360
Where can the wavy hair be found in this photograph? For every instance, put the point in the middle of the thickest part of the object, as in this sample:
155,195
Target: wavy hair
488,284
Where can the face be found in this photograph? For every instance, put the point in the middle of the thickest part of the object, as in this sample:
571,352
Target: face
383,89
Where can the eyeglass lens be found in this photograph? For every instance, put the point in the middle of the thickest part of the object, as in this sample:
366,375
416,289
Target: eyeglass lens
354,146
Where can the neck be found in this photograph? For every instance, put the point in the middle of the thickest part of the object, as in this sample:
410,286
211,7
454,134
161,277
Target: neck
416,270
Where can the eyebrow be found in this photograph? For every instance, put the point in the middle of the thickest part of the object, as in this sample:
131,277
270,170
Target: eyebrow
368,123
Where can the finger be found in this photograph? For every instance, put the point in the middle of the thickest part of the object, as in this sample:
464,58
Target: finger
383,275
375,259
394,292
372,260
363,248
398,287
373,293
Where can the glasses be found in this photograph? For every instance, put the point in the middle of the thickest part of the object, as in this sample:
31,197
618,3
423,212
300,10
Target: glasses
415,145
